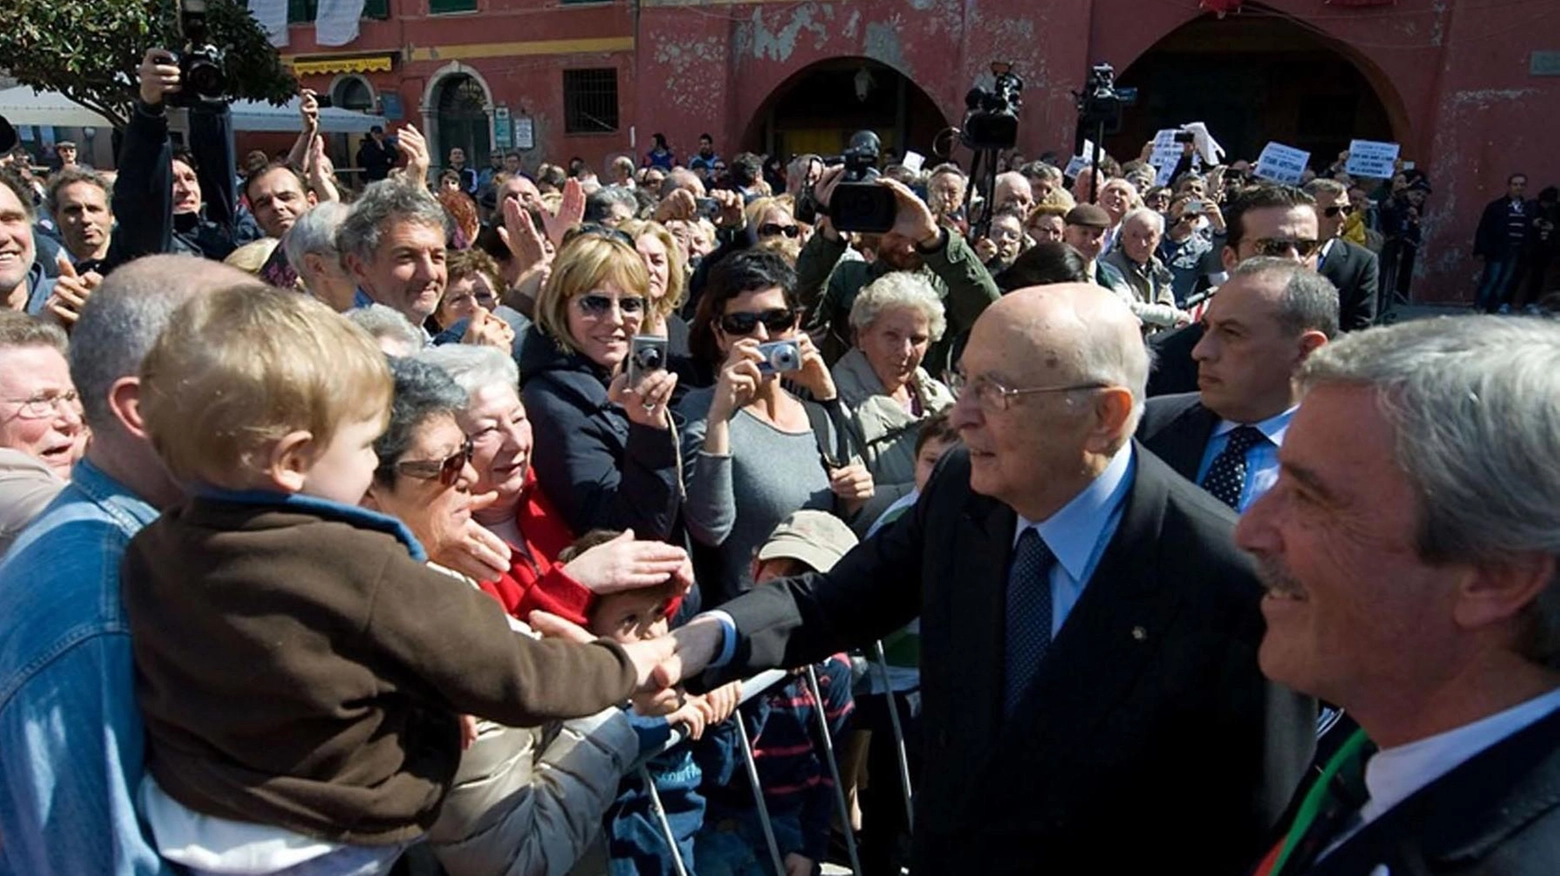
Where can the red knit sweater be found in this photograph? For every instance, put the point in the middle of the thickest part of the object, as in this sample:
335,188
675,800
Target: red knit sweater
534,580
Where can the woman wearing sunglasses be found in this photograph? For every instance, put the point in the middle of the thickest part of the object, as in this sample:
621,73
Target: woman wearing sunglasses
668,269
754,453
604,451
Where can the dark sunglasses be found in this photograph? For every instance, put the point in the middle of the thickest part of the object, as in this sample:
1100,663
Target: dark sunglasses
1336,209
770,229
596,305
446,470
744,322
596,229
1278,247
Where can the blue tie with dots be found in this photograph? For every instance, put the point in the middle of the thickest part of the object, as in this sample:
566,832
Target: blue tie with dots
1227,475
1028,626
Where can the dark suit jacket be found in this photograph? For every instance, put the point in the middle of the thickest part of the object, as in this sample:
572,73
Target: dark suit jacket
1498,814
1357,274
1177,428
1174,368
1150,741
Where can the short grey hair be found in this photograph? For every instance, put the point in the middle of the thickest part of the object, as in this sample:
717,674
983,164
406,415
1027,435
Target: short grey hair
422,393
1145,214
124,317
1316,187
1048,172
382,203
315,232
1471,403
894,290
18,329
474,367
383,323
1309,301
599,203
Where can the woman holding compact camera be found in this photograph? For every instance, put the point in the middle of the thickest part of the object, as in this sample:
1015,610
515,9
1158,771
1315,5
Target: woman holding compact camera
604,447
755,452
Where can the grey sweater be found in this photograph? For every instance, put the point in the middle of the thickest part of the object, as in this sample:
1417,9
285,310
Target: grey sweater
734,502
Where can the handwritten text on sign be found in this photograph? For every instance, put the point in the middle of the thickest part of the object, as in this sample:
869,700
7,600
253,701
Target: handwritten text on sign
1282,164
1368,158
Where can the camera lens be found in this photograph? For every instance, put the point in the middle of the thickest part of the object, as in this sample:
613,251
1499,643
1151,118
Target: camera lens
650,358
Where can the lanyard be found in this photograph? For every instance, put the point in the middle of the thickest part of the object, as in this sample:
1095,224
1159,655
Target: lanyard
1311,806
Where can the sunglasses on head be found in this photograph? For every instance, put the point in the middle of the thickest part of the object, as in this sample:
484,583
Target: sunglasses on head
744,322
1336,209
446,471
1278,247
596,229
596,304
770,229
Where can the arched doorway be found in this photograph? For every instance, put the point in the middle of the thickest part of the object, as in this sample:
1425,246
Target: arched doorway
818,108
461,106
353,93
1255,77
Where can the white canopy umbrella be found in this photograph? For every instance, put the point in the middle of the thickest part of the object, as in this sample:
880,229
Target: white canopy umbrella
22,105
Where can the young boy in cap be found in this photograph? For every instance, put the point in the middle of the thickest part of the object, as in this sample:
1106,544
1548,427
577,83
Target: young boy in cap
783,726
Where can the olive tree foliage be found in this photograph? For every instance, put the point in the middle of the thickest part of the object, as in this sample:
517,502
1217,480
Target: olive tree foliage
89,50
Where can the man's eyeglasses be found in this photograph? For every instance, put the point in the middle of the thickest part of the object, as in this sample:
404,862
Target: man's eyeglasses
744,322
770,229
1279,247
596,305
45,404
1337,209
446,471
993,397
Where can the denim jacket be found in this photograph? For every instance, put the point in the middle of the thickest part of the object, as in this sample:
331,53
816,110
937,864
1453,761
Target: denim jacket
72,756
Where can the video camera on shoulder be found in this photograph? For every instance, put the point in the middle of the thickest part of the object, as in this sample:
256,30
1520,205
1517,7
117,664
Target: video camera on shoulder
858,202
201,70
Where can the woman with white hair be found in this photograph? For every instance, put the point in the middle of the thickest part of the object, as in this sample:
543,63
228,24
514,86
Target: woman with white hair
881,381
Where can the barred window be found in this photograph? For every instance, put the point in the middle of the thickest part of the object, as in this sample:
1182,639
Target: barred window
590,101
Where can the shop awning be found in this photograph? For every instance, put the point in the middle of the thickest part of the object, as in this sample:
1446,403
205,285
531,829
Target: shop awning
352,64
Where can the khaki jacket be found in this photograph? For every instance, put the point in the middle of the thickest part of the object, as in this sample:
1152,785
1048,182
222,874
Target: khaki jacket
884,429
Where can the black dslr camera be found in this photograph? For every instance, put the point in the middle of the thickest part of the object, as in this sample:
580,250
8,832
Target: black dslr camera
201,72
991,117
858,202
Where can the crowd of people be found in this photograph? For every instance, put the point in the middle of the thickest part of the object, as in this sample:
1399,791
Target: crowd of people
438,527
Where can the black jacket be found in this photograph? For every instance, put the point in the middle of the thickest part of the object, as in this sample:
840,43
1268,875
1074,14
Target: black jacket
143,193
1174,368
1492,239
601,470
1176,428
1356,272
1150,742
1498,814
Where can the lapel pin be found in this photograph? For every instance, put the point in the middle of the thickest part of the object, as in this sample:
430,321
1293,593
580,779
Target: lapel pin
1140,634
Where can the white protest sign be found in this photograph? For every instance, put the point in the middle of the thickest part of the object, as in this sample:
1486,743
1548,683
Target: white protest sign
1281,164
1373,159
1080,161
1166,155
914,161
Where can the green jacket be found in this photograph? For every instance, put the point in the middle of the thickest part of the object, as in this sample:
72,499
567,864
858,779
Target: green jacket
828,287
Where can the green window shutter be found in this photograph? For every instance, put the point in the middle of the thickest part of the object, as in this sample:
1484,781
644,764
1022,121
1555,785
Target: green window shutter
301,11
440,6
379,9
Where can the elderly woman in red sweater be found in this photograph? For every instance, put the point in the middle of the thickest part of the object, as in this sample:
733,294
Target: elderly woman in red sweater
519,514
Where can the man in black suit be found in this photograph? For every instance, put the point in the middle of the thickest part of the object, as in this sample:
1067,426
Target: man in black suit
1090,695
1265,220
1267,318
1353,269
1410,555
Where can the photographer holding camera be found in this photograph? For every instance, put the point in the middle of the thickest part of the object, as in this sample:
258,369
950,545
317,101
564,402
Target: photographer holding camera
754,453
916,242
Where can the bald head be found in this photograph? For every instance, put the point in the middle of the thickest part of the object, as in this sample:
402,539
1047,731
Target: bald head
126,314
682,178
1012,192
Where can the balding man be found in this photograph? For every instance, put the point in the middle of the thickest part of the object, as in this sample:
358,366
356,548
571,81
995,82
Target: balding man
73,754
1091,700
1410,552
1012,194
1267,318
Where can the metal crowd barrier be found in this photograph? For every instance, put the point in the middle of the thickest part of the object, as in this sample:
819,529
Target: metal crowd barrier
751,688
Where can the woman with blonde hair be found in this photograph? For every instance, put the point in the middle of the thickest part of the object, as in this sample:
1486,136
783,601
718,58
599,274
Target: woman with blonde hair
604,449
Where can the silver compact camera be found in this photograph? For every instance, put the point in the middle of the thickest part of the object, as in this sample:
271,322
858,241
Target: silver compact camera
646,353
779,357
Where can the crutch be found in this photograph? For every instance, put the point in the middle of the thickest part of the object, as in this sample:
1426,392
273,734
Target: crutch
660,817
834,770
758,796
880,662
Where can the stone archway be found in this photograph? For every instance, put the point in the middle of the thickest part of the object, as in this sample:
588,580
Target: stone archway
817,109
457,110
1258,77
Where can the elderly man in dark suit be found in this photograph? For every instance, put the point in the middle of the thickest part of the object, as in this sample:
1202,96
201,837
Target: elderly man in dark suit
1090,695
1410,553
1267,318
1353,269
